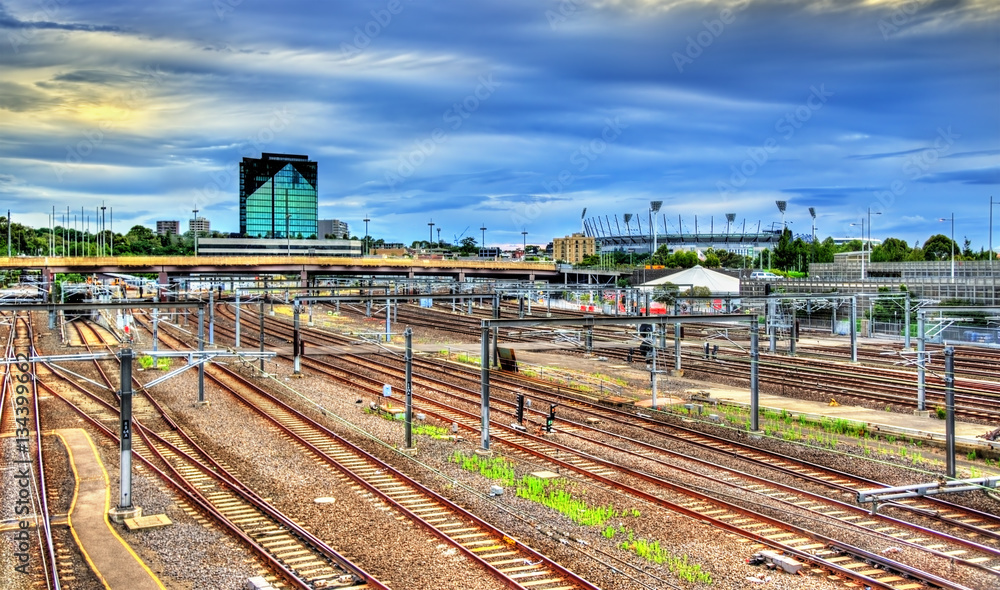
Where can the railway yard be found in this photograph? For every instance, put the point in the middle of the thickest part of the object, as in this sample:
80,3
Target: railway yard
304,478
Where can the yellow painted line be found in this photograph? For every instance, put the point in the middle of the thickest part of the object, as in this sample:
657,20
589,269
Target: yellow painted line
107,508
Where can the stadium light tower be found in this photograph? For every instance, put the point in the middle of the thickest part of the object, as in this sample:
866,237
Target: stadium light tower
812,211
654,208
730,218
430,240
583,225
781,207
628,219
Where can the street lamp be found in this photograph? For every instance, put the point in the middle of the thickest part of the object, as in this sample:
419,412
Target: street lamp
952,243
364,248
524,243
483,229
194,228
862,224
869,241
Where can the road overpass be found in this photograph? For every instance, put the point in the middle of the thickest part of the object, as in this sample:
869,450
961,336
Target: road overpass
306,268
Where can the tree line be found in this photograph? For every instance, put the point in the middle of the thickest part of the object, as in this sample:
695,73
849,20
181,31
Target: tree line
792,255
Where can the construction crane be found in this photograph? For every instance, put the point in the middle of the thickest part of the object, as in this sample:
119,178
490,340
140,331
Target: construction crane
461,235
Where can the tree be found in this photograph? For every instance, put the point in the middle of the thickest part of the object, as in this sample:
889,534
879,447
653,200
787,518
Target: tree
939,247
891,250
469,246
712,260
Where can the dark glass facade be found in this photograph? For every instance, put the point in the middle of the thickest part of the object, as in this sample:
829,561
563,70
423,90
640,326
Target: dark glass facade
278,196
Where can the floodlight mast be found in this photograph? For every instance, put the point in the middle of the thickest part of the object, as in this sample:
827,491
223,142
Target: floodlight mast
730,218
654,208
583,224
782,205
812,212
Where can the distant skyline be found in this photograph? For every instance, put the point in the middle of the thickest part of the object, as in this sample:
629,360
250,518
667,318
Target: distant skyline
512,115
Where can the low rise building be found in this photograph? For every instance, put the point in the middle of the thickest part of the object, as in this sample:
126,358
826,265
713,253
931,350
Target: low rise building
574,248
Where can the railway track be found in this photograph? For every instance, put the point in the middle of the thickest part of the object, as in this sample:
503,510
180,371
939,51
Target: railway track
791,500
300,559
21,422
502,555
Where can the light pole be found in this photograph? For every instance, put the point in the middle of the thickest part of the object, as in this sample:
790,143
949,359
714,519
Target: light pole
992,253
430,240
781,207
952,243
364,249
104,238
524,243
862,224
483,248
654,208
194,228
869,241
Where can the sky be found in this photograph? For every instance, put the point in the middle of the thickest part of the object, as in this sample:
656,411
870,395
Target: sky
513,115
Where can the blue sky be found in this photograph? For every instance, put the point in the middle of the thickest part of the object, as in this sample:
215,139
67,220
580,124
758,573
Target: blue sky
515,115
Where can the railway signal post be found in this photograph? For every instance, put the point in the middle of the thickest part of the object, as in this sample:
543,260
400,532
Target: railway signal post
125,508
408,339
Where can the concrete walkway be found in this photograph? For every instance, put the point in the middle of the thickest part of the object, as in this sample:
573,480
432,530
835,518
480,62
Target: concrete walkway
108,555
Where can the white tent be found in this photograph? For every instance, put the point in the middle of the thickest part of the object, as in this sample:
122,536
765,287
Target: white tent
699,276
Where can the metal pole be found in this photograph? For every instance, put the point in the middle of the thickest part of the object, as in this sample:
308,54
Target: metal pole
201,348
854,329
211,316
297,360
677,340
156,336
921,350
388,319
906,320
652,375
772,330
408,339
484,364
949,406
125,429
237,339
262,337
754,374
